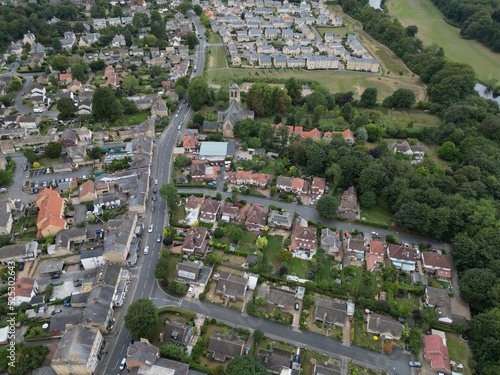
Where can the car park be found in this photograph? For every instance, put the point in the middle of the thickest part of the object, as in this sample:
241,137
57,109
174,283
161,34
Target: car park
146,250
415,364
150,228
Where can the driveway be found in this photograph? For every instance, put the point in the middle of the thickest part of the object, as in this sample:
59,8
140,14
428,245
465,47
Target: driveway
80,213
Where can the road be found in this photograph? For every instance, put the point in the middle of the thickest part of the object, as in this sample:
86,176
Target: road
144,284
311,213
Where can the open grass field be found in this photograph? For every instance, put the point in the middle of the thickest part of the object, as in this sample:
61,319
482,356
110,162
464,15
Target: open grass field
216,57
213,38
335,81
402,118
433,29
377,215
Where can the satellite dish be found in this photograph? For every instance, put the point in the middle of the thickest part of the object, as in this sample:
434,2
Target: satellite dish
45,325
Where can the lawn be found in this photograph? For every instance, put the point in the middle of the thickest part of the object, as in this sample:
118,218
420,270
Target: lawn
361,337
216,57
377,215
341,31
213,38
136,119
48,162
420,119
459,351
431,151
432,28
296,267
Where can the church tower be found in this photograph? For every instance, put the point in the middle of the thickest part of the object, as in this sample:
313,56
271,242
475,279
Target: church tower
234,93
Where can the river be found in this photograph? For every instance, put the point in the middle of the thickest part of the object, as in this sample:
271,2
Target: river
485,93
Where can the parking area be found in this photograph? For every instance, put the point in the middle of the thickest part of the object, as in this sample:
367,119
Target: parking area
41,178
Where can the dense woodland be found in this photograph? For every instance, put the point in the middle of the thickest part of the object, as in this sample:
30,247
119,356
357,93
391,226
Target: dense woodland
477,19
460,204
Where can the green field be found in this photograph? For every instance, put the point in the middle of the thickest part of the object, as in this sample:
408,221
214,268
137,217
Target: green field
459,351
216,57
420,119
335,81
433,29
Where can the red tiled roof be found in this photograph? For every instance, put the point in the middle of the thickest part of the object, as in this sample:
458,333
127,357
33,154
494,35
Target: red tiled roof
88,187
436,260
24,287
377,247
51,207
436,352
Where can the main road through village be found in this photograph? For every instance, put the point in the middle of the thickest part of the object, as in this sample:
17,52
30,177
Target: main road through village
144,285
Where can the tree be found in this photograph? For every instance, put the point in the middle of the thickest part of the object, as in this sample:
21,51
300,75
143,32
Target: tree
94,153
105,104
197,9
317,114
369,97
197,92
285,256
368,199
97,65
129,82
327,206
169,193
182,161
171,351
429,317
213,259
28,358
411,30
235,233
79,71
161,269
261,242
401,98
15,84
66,107
258,336
245,365
198,118
53,150
347,112
141,319
448,151
415,340
362,135
59,63
176,288
294,89
477,297
191,40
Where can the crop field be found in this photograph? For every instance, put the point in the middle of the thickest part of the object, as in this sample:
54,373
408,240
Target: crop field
432,28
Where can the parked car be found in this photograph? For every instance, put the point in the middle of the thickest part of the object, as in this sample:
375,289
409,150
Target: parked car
182,234
25,168
155,191
44,171
56,312
415,364
44,184
150,228
20,266
191,289
177,244
154,198
156,182
123,363
55,276
146,250
3,190
297,306
158,238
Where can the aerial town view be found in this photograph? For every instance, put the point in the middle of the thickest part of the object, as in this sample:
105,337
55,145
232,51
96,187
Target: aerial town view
229,187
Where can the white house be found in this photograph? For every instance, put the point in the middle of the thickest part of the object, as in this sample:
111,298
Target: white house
24,290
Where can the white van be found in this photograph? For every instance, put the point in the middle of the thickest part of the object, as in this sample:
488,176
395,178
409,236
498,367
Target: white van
123,363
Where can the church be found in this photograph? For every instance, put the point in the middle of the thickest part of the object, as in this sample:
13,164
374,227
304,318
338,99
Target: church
234,113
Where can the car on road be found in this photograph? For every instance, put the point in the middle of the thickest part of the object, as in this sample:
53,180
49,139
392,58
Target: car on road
375,234
156,182
55,276
146,250
415,364
158,238
177,114
191,289
155,191
150,228
37,110
179,127
56,312
153,209
22,93
154,198
3,190
123,363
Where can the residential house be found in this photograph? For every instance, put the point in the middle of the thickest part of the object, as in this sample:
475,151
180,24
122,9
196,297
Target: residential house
438,264
384,326
303,239
276,361
68,138
68,40
356,247
256,218
105,202
24,290
118,41
416,152
79,351
142,354
327,369
330,312
50,219
193,204
225,347
363,64
436,352
440,300
210,211
314,134
118,241
231,286
29,38
189,143
65,78
330,242
29,122
177,333
77,153
188,271
161,365
15,49
87,191
75,86
292,185
229,212
375,255
347,135
87,39
349,207
6,218
280,219
195,242
403,258
84,107
19,252
249,178
281,297
318,187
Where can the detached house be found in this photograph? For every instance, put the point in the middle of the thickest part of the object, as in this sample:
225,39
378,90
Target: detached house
318,187
384,326
330,312
436,352
349,207
403,258
437,264
331,243
231,286
440,300
416,152
303,238
292,185
195,242
256,219
225,347
24,290
87,191
209,211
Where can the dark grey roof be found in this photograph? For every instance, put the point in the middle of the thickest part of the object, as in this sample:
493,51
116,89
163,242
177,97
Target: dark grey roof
80,298
108,274
70,316
143,352
331,312
327,370
76,345
99,304
95,253
281,297
177,332
275,360
231,285
160,366
225,346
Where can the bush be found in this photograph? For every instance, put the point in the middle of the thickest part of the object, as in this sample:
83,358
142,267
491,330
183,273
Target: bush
202,297
177,288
